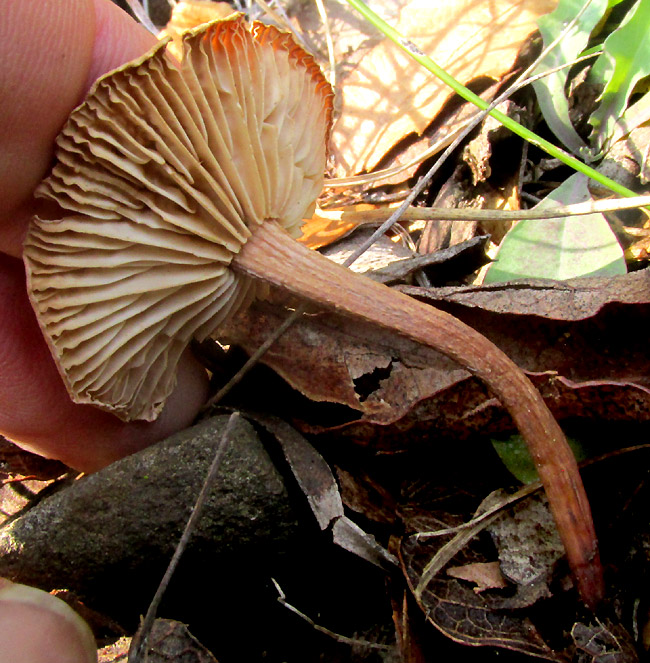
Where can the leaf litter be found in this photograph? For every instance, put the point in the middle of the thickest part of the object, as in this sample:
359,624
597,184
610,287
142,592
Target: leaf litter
375,404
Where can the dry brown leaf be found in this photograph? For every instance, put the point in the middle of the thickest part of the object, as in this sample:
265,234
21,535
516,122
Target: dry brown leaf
396,394
465,616
320,231
485,575
389,96
603,641
171,640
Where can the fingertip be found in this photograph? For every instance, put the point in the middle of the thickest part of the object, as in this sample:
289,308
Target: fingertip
36,627
51,52
45,50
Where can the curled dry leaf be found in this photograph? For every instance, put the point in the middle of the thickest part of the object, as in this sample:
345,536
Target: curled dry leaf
162,173
171,640
455,609
485,575
582,342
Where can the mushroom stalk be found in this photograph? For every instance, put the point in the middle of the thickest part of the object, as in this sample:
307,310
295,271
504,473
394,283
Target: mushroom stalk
272,255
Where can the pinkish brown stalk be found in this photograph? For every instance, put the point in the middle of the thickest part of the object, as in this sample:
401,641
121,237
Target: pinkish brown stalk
270,254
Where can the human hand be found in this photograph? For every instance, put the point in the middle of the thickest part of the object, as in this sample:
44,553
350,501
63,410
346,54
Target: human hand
50,54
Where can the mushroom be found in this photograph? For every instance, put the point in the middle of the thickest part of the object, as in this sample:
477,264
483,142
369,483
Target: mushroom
183,189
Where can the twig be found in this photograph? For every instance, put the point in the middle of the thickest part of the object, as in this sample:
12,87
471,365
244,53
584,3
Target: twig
466,214
139,641
472,524
328,38
355,642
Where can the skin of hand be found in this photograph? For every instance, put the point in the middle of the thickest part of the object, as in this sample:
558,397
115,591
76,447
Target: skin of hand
50,54
36,627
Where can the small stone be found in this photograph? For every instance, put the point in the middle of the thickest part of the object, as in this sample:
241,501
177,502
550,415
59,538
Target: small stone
115,531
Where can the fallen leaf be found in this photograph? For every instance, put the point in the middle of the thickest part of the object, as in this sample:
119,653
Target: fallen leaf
408,628
363,494
604,642
381,255
571,300
172,641
319,487
442,266
117,652
478,152
465,616
582,342
389,96
351,34
528,544
319,231
485,575
17,462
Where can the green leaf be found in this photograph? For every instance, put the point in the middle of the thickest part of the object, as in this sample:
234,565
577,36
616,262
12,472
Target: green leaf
551,90
624,62
514,454
636,115
561,248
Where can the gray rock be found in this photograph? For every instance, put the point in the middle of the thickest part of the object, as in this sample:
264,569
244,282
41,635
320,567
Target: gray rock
114,531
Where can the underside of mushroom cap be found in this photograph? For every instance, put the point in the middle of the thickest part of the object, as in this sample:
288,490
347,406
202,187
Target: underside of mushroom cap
163,173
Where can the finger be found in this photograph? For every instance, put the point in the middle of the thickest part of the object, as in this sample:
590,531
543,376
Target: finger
36,411
36,627
51,52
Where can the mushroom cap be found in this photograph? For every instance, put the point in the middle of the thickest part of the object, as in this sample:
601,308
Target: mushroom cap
164,172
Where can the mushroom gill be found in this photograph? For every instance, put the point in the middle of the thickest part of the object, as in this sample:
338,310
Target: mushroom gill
163,173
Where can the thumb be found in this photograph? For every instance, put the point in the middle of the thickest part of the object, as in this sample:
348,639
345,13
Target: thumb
36,627
51,53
